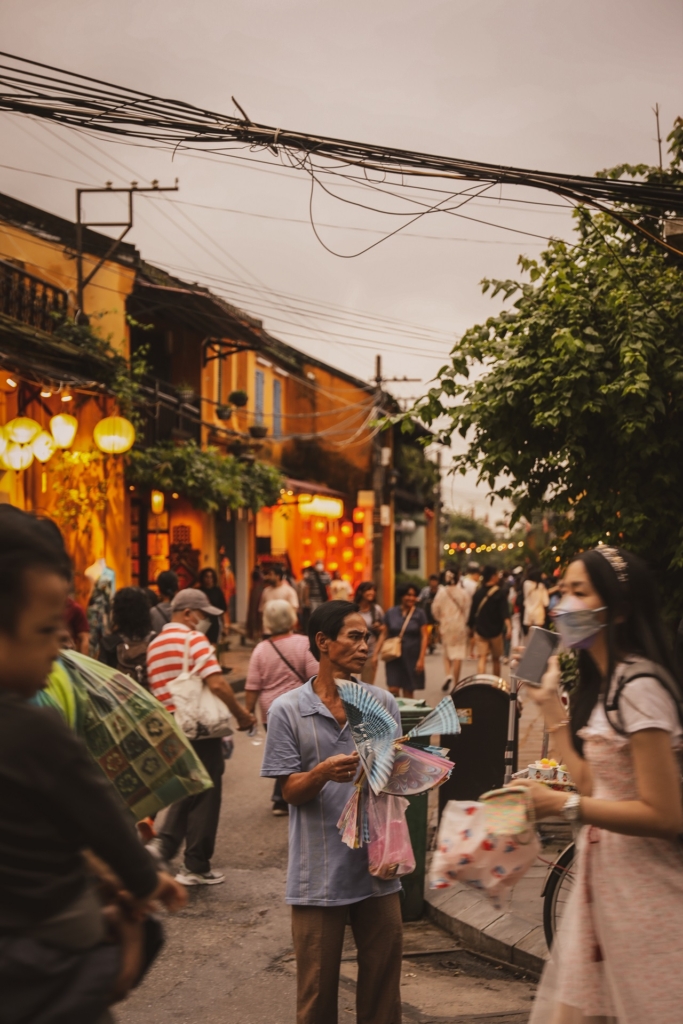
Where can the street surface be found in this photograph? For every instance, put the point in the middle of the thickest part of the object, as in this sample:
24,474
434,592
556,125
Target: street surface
229,954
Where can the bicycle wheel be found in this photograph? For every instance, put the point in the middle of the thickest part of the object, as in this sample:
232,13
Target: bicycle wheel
556,892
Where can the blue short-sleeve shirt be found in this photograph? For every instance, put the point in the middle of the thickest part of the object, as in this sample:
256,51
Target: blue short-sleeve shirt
322,871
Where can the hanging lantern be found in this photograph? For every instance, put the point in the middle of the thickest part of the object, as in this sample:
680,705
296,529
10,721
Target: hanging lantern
347,555
63,428
17,457
114,435
332,541
332,566
346,529
3,440
359,515
358,566
44,446
22,430
157,502
359,541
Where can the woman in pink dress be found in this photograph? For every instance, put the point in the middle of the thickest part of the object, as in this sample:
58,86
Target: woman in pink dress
617,957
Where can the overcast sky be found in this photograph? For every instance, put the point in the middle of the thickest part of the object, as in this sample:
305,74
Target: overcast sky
563,86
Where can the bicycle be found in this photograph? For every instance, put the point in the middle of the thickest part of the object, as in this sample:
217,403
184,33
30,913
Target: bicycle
556,891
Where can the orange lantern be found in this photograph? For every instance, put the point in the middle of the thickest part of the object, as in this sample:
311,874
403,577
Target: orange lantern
359,540
320,555
320,524
332,541
332,566
347,554
305,565
359,515
306,542
358,566
346,529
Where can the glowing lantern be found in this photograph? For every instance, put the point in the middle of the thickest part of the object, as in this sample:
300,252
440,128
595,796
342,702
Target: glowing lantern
320,525
306,542
305,565
347,554
44,446
3,440
358,566
320,555
63,428
359,541
114,435
157,502
17,457
332,566
359,515
22,430
332,541
346,529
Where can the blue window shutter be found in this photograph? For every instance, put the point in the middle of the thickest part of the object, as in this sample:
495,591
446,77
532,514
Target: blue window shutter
260,389
277,408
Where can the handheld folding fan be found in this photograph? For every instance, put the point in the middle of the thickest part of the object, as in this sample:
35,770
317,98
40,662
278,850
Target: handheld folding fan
373,729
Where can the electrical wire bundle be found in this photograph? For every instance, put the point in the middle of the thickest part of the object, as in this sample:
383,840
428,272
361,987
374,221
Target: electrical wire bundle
90,105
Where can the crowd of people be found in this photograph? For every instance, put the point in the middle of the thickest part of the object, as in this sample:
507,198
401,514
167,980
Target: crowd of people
79,884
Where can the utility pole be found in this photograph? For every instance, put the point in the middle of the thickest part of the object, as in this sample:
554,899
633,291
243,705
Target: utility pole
82,282
378,488
437,512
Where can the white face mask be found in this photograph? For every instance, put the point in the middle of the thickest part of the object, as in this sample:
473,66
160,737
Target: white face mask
203,626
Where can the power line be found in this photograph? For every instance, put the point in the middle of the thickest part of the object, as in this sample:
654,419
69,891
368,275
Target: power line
84,102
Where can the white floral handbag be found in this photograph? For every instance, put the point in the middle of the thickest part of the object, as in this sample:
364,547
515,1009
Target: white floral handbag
198,711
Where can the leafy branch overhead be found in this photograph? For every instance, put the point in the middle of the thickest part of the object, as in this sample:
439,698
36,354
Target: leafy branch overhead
571,398
208,479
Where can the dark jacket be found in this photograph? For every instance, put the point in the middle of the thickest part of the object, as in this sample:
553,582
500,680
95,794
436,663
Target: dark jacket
489,611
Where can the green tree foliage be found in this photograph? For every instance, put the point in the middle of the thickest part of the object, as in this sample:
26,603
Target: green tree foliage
208,479
571,399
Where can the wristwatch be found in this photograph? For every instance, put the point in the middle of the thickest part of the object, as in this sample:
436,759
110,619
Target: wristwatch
572,808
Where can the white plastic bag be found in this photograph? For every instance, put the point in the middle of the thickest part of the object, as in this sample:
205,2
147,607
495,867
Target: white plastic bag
199,712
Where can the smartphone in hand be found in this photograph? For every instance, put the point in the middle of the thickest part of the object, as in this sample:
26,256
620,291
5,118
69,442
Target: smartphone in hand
542,644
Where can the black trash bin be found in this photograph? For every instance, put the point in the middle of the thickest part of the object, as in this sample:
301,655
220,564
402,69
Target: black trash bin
483,704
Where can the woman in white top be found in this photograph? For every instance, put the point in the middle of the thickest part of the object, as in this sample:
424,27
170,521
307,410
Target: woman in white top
451,609
617,954
536,600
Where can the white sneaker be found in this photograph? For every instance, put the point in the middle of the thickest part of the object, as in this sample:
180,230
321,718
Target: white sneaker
194,878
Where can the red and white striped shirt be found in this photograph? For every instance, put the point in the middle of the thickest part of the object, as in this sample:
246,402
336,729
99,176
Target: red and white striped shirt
165,658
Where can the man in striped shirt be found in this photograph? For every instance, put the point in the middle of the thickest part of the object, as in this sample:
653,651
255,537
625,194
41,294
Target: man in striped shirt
194,819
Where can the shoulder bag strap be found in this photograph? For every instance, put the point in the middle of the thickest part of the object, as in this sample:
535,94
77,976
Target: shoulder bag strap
489,592
640,672
287,663
405,624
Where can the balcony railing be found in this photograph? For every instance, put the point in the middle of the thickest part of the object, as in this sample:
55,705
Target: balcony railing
30,299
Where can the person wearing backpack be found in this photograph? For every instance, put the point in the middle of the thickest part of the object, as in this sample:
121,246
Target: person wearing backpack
617,954
489,619
125,648
167,585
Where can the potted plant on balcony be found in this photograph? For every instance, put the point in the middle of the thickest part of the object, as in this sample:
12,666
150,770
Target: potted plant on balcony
185,391
238,398
223,412
258,430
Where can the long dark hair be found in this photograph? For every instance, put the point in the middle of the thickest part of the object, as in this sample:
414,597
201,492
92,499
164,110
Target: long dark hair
634,627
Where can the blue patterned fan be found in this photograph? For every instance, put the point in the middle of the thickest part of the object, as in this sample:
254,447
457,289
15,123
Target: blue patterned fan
443,719
374,732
